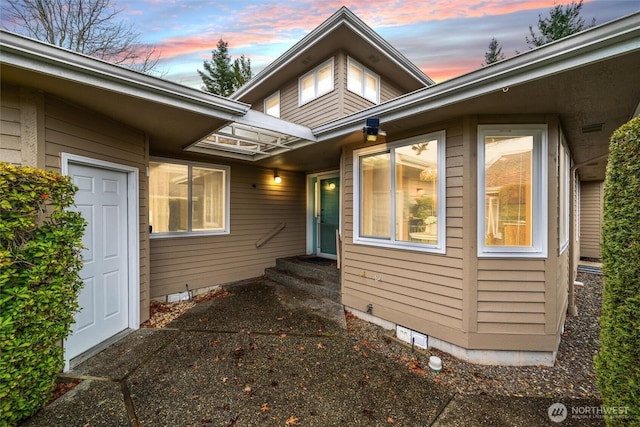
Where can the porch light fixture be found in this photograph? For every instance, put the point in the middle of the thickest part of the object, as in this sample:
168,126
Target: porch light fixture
371,130
276,177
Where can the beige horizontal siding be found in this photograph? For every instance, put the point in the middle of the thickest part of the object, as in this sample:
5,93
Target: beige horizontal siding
316,112
352,103
591,201
388,91
204,261
482,303
338,103
418,290
511,296
10,151
562,289
76,130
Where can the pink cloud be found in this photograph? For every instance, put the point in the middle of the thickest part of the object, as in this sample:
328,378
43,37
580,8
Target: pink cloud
287,22
308,14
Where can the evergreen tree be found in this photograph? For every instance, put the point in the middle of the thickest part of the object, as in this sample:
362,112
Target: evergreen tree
562,22
494,54
617,364
220,75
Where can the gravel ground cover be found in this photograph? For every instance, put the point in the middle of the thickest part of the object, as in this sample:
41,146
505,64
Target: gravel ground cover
572,376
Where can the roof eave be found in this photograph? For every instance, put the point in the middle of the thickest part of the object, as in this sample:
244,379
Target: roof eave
605,41
342,17
22,52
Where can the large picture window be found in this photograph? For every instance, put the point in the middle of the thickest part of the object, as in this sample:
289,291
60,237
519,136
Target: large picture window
512,190
188,198
399,194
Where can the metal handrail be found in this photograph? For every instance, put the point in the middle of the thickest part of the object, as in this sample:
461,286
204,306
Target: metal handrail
275,230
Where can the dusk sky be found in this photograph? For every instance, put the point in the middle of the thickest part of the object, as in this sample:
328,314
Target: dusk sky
444,38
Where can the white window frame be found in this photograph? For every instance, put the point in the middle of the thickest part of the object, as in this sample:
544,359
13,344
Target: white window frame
227,199
363,78
266,103
539,197
317,94
440,246
564,194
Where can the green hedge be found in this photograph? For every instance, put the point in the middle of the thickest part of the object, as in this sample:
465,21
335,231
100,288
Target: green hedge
40,261
618,362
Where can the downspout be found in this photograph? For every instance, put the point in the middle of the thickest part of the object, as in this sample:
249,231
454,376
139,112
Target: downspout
572,309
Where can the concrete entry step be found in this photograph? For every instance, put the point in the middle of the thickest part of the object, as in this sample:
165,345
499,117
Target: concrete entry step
312,274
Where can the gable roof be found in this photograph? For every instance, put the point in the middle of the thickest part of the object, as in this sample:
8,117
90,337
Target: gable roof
172,115
168,112
343,30
586,79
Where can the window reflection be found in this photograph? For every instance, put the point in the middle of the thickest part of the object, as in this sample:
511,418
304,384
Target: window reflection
508,197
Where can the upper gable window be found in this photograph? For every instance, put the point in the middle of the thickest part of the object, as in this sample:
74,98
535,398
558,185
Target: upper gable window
272,105
316,83
362,81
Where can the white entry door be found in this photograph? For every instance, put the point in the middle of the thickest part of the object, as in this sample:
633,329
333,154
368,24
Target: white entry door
104,299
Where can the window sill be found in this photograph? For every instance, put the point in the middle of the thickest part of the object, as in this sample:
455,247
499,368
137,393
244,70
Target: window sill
188,234
403,246
512,254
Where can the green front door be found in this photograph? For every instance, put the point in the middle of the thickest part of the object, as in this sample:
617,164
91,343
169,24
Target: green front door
327,215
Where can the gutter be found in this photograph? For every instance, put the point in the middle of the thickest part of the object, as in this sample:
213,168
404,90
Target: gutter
609,40
22,52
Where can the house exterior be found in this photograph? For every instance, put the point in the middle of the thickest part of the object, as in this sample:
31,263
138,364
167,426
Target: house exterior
455,218
591,214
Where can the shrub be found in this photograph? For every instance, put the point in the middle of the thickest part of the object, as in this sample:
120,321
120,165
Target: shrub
40,241
618,362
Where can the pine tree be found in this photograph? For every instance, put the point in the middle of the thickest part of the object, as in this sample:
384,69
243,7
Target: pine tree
494,54
221,76
562,22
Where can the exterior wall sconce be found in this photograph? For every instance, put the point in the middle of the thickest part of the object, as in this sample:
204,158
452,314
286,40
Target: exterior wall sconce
276,177
372,129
